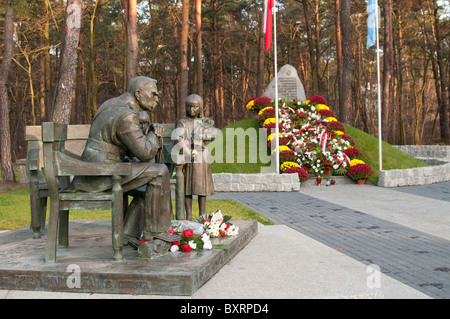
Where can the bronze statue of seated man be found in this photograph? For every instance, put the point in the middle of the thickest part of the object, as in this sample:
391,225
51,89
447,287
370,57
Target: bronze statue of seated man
116,132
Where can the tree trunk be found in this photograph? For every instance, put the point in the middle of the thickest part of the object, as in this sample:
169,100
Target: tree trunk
184,77
309,39
42,73
48,72
387,95
199,52
64,91
217,70
442,64
260,70
130,12
401,122
5,135
78,115
339,57
347,72
91,104
317,48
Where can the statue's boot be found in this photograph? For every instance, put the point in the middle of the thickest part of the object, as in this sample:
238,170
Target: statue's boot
134,218
158,209
165,236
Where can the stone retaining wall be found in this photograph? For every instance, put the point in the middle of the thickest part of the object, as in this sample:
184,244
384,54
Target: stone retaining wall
435,155
227,182
428,153
415,176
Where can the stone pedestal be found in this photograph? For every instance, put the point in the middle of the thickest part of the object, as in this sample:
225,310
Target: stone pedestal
86,266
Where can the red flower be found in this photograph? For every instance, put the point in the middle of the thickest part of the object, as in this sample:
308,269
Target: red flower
176,243
281,141
171,230
222,233
348,138
353,153
207,220
249,100
186,248
302,174
317,99
326,113
337,126
268,113
287,156
359,171
188,233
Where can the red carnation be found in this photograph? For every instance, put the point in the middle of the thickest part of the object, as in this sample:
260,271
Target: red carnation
188,233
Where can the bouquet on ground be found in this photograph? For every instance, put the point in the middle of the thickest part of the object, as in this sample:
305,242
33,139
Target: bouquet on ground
196,235
190,241
217,225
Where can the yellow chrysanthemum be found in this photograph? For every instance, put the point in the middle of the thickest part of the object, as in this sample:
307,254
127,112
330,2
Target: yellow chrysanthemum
269,121
287,165
250,105
321,107
266,108
282,148
331,119
307,102
356,161
339,132
272,136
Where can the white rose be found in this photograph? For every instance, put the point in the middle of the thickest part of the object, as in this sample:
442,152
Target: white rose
192,244
174,248
207,244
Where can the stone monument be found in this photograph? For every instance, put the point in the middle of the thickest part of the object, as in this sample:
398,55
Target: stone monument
289,85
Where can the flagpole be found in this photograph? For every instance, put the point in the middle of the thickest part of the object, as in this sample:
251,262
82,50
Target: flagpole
276,87
380,151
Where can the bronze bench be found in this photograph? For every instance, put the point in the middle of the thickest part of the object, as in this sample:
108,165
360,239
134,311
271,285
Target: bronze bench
75,141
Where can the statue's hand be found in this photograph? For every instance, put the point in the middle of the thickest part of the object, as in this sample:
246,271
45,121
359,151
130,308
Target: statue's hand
158,129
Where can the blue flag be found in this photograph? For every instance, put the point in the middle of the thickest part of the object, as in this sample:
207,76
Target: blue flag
372,23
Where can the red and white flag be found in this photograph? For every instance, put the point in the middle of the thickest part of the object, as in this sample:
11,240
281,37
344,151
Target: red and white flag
268,6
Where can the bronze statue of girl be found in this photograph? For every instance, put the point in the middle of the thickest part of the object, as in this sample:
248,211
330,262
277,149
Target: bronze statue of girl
196,131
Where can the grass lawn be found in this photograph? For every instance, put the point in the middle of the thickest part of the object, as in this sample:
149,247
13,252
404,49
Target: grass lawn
250,150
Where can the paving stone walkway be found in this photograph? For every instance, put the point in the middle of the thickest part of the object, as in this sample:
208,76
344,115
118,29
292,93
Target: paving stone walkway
415,258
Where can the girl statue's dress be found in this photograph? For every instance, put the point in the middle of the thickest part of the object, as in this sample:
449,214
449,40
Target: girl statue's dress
197,170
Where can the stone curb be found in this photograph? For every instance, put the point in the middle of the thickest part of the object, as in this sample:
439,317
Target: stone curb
227,182
431,154
415,176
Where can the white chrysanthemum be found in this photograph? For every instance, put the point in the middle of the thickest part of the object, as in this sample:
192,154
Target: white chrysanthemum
192,244
207,245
